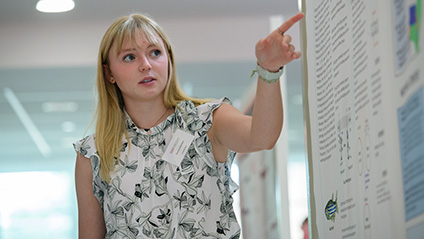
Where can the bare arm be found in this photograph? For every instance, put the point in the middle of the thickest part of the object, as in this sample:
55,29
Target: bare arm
91,223
235,131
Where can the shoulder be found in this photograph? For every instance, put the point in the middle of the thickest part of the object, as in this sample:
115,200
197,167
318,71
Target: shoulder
208,109
222,110
198,119
214,104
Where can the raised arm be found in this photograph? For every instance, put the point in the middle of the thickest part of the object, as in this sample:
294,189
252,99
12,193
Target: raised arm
233,130
91,223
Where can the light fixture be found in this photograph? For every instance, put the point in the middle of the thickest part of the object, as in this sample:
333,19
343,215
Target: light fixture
54,6
68,126
54,107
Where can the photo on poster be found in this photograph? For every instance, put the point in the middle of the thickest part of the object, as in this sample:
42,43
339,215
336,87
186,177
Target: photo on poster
407,17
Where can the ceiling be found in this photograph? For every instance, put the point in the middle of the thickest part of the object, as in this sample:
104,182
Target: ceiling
23,11
44,109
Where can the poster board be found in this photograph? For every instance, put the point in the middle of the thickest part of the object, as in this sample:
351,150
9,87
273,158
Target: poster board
363,68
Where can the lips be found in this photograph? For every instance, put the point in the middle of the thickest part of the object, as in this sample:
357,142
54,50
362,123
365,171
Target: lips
147,80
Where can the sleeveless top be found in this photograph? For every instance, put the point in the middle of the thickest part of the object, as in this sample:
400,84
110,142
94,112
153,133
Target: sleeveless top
148,197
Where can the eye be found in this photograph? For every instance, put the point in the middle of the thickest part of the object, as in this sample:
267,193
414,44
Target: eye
128,58
156,53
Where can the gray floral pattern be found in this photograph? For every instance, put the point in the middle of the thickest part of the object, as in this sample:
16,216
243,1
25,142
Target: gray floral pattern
149,197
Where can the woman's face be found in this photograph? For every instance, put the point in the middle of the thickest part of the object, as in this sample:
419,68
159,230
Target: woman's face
140,69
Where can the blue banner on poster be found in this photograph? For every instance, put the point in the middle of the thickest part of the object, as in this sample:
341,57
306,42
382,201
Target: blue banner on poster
411,133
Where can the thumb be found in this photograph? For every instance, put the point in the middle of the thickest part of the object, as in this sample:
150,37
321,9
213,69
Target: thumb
260,45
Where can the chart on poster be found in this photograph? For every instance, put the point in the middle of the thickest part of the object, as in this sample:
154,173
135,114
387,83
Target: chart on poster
364,116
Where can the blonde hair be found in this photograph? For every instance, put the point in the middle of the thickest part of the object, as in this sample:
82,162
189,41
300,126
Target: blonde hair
110,116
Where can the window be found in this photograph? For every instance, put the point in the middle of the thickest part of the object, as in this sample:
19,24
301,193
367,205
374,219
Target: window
37,205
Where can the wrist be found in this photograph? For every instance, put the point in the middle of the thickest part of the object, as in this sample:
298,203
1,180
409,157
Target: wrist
268,76
270,69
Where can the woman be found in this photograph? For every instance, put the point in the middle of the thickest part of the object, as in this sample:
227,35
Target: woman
158,165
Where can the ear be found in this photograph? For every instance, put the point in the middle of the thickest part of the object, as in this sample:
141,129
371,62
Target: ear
108,74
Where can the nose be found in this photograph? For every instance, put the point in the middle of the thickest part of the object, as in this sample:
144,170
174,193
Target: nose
145,65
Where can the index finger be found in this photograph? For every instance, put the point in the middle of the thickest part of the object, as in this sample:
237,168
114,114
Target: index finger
289,23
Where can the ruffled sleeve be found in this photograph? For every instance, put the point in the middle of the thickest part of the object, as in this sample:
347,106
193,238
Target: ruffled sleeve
87,148
205,113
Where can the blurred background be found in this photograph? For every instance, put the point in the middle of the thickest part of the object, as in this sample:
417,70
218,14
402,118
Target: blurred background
47,97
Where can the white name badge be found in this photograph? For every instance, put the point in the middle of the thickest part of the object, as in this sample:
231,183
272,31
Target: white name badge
178,147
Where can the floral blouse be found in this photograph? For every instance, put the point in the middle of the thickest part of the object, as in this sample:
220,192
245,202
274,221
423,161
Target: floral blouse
149,197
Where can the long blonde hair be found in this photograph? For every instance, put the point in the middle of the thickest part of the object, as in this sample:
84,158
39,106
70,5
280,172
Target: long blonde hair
110,116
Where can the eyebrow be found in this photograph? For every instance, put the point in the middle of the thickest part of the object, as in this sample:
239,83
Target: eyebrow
127,50
151,45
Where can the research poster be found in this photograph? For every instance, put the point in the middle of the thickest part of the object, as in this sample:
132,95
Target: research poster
364,93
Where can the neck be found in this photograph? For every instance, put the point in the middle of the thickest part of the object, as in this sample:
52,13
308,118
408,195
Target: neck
148,114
